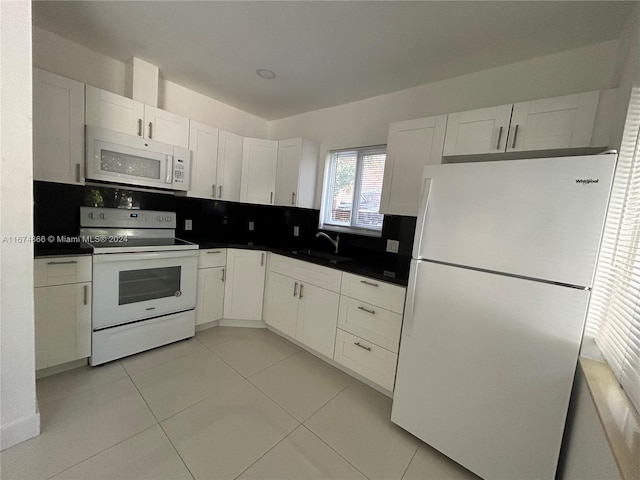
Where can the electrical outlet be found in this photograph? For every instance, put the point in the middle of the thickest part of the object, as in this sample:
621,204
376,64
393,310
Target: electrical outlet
296,231
251,226
393,246
188,224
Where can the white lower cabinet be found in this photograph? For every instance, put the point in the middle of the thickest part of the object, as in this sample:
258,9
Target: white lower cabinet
369,360
62,304
298,307
317,318
211,282
369,325
244,284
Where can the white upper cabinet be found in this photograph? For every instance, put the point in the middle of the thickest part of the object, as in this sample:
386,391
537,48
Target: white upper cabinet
411,145
550,124
553,123
121,114
229,168
296,173
203,143
259,164
477,131
58,128
114,112
166,127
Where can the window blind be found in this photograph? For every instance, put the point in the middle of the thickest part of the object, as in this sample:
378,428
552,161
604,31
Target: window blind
614,312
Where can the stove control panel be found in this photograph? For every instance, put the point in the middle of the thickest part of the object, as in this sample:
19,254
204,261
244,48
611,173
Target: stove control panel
125,218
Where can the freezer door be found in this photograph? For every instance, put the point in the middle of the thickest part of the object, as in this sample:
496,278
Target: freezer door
539,218
485,368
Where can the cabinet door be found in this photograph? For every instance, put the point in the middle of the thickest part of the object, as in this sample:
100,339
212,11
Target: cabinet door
210,299
244,285
317,318
114,112
229,166
559,122
259,163
166,127
411,145
62,323
477,131
203,143
58,128
287,172
281,303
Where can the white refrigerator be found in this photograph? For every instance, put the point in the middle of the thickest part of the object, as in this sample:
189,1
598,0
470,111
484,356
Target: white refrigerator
503,262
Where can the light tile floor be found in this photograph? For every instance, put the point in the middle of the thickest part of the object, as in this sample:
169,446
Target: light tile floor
229,403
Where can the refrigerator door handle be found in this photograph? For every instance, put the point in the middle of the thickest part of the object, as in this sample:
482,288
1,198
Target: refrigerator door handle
407,324
422,216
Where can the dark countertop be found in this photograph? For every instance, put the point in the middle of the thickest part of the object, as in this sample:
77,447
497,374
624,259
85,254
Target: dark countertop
396,272
57,249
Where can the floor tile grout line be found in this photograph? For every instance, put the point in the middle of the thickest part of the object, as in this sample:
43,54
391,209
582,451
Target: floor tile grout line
410,462
101,451
70,395
268,450
161,427
162,362
335,451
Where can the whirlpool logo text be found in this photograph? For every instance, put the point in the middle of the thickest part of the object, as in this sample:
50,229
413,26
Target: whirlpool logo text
587,181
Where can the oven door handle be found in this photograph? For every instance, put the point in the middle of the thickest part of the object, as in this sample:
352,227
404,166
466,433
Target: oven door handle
126,257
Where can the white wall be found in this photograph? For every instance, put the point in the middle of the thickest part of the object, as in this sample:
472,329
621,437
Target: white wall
58,55
19,419
366,122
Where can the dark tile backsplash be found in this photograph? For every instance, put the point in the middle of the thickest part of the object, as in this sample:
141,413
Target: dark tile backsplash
57,211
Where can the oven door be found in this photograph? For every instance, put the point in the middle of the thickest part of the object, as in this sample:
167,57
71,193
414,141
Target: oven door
133,286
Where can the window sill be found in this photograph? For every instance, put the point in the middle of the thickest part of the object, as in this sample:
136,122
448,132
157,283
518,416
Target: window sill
352,230
619,419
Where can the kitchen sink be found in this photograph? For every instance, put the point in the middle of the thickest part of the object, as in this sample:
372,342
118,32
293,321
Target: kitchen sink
330,257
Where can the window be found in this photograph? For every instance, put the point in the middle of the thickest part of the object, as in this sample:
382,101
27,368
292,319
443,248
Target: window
614,311
352,189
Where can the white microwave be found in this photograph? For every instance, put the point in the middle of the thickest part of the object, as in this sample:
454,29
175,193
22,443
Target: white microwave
120,158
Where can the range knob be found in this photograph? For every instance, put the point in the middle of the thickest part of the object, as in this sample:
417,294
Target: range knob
102,216
91,215
167,218
160,218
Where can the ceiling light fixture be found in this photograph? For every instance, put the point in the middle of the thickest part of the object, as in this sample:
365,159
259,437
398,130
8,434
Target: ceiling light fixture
266,73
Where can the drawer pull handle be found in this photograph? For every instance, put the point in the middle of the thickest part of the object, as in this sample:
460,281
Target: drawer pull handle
295,289
223,273
70,262
357,344
77,173
301,287
220,191
213,190
262,259
372,312
371,284
499,138
293,198
214,251
150,308
85,292
139,127
515,136
150,131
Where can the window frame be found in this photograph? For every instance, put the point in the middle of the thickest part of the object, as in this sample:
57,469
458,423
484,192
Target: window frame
328,189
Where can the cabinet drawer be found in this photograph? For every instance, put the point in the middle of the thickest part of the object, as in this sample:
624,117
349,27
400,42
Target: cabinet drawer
375,292
61,270
369,360
372,323
212,257
305,272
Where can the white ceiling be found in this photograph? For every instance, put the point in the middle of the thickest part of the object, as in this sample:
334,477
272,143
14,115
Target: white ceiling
325,53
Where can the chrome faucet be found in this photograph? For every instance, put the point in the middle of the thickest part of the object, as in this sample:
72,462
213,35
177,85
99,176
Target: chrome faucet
333,242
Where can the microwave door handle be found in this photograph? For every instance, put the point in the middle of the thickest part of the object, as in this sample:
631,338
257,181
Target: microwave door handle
169,169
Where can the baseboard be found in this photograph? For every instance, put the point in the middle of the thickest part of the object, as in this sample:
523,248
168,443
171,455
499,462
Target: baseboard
207,325
45,372
230,322
19,431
